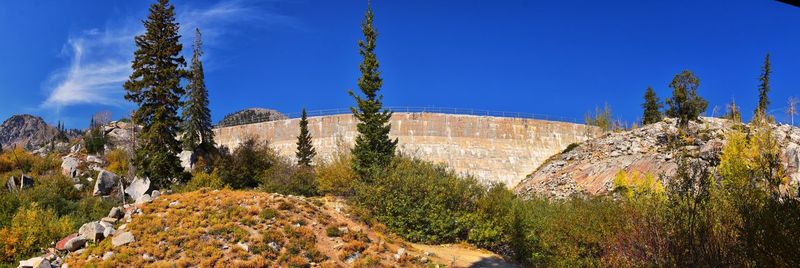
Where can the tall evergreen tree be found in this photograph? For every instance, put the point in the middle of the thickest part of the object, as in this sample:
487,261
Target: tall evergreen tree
196,115
305,150
374,149
155,87
763,88
652,107
685,104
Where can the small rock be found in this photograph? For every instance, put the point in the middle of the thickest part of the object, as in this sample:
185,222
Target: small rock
174,204
144,199
243,246
109,231
37,262
147,257
75,243
116,212
155,194
138,187
122,238
64,244
78,186
92,231
352,258
274,246
400,254
111,220
108,255
122,227
95,159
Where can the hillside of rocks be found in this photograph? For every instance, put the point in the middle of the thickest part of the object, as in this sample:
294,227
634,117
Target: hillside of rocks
589,168
223,228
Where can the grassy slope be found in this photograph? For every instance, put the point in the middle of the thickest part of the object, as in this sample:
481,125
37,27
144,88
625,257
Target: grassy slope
203,228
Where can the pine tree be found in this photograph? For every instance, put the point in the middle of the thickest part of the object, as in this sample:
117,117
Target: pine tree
196,115
305,150
763,88
652,107
374,149
155,87
685,104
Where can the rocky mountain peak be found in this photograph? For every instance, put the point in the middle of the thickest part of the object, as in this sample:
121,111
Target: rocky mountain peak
251,115
27,131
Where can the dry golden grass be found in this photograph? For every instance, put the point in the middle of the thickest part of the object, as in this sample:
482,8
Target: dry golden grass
211,228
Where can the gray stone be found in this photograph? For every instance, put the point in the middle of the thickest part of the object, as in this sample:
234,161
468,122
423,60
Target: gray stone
37,262
243,246
116,213
75,148
95,159
92,231
75,243
138,187
109,231
78,186
11,184
69,166
400,254
155,194
187,160
105,184
122,238
108,255
23,182
147,257
110,220
144,199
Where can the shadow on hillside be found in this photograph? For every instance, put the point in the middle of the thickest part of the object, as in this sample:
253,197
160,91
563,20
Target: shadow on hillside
493,262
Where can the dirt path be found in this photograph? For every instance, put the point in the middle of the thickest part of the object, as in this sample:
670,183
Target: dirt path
461,256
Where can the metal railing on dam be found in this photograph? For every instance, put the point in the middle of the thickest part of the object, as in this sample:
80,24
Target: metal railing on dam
411,109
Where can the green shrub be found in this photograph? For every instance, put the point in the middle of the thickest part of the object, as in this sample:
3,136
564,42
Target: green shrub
421,201
333,231
9,203
52,192
268,214
570,147
31,229
203,180
286,178
336,177
244,166
91,208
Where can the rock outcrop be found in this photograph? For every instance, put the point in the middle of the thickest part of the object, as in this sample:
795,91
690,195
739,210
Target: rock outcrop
106,183
121,134
589,169
252,115
26,131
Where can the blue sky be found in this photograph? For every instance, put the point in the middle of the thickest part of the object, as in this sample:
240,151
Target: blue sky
65,60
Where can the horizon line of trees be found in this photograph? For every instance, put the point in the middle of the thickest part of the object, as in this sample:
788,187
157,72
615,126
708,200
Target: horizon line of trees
687,105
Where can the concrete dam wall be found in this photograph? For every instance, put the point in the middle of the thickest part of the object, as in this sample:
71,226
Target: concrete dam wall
493,149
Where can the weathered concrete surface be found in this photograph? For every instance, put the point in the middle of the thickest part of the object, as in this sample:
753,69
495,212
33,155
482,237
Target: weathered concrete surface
494,149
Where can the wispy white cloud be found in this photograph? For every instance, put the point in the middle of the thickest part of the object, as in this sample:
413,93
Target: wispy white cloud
99,60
